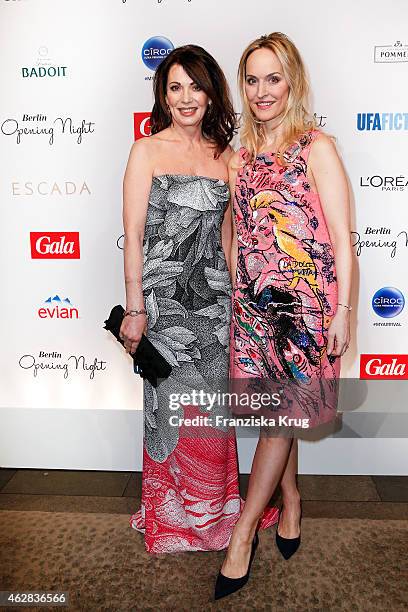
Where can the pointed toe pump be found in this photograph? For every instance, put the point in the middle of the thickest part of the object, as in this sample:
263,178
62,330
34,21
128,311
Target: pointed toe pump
226,586
287,546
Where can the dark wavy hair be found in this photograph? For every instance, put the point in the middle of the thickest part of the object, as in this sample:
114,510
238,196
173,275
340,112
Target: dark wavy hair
219,122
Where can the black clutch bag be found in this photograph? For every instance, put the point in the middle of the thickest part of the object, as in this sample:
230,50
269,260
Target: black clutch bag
147,360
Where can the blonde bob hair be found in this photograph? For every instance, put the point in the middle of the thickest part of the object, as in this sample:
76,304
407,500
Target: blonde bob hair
296,118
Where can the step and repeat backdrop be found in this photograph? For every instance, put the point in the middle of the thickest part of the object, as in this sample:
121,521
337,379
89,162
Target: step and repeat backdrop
76,80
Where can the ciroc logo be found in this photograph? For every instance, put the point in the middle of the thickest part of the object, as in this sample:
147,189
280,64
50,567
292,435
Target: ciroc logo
155,50
388,302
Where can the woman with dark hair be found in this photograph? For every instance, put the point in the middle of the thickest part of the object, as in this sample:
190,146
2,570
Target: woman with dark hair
177,223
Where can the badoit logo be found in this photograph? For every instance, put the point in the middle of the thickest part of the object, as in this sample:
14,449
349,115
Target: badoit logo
44,67
141,124
54,245
392,367
155,50
382,121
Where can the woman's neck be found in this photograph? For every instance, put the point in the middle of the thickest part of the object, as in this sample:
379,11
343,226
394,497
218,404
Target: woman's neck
189,135
273,133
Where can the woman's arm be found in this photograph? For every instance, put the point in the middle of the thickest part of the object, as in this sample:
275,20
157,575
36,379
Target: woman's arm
136,188
331,184
226,231
226,228
232,174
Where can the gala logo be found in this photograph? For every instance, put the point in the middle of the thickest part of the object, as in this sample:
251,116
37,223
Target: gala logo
54,245
392,367
141,122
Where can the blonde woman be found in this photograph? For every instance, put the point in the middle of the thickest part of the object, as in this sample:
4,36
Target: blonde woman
291,269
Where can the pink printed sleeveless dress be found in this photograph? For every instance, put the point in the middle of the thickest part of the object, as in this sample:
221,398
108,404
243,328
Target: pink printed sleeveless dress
285,293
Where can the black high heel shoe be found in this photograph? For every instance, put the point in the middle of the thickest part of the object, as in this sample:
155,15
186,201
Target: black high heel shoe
226,586
287,546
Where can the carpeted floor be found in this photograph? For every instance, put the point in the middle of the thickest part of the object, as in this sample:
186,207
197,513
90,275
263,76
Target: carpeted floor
343,564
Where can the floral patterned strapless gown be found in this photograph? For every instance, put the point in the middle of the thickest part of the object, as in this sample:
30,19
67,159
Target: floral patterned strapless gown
190,495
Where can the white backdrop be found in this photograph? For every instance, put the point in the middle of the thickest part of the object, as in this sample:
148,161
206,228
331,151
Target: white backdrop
72,78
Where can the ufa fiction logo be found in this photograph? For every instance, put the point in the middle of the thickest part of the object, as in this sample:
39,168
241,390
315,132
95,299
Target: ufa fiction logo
382,121
54,245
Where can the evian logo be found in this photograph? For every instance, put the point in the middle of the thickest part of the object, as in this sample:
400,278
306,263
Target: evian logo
54,245
392,367
56,308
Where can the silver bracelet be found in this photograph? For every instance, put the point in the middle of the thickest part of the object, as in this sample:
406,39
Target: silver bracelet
134,313
345,306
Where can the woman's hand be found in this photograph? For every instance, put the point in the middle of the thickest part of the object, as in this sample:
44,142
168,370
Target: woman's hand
131,331
338,336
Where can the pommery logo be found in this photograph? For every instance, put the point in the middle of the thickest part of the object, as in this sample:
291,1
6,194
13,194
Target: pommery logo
385,54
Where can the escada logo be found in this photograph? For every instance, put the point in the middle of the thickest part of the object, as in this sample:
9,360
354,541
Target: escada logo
385,183
141,125
54,245
382,121
392,367
56,308
49,188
